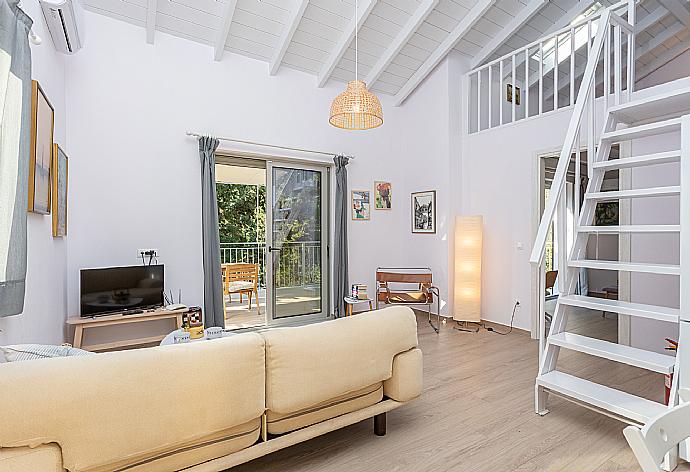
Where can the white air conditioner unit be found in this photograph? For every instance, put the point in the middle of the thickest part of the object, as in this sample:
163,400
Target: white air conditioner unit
65,24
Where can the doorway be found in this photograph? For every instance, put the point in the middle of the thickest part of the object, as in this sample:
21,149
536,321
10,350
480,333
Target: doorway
601,246
273,225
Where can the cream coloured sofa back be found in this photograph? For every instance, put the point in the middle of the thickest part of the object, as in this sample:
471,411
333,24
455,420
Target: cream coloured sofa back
312,364
120,407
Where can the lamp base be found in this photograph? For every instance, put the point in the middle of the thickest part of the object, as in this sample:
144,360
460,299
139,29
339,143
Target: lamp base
465,326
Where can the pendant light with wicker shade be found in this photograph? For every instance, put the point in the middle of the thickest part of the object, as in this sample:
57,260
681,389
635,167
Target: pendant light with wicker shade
356,108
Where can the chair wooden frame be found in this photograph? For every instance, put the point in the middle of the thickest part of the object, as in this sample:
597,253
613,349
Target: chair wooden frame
240,272
651,443
423,295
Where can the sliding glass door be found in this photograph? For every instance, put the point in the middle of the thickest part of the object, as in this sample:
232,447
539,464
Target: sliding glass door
297,242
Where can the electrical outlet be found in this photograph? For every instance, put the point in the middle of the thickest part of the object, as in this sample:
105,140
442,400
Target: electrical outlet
147,254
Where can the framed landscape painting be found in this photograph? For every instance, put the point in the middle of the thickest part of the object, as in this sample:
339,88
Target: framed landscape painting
41,154
424,212
60,170
361,205
382,195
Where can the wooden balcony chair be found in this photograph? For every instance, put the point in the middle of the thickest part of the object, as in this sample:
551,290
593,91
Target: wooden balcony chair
655,439
408,286
241,279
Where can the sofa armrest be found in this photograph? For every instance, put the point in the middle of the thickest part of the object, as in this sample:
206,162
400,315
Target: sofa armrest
46,458
406,382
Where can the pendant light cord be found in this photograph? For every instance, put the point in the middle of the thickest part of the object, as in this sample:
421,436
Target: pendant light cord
356,40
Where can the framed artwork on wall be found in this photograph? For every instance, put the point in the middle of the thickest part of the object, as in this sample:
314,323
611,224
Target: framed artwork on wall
41,153
382,195
361,204
60,172
424,212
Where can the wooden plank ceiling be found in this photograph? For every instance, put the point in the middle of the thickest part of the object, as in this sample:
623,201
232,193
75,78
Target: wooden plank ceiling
400,41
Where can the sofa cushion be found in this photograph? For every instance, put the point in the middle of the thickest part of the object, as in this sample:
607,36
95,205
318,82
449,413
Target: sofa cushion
126,405
279,424
178,458
44,458
308,365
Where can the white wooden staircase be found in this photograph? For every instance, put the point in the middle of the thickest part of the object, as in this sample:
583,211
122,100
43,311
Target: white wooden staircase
623,122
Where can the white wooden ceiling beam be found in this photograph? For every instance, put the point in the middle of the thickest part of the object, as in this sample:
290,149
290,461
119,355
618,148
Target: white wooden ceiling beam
518,21
663,59
152,7
224,31
445,47
656,15
658,40
679,10
286,38
341,47
415,21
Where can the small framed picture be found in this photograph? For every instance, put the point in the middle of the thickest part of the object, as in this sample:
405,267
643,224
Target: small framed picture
382,195
361,204
41,155
509,94
60,172
424,212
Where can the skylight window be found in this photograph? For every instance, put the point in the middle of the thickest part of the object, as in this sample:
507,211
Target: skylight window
581,37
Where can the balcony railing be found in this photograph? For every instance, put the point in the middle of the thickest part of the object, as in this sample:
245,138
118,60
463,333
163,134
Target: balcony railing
545,75
297,264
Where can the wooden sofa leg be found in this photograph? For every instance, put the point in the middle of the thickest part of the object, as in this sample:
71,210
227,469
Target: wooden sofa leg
380,424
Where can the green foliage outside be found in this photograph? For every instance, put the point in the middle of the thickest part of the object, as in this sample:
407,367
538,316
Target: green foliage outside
240,218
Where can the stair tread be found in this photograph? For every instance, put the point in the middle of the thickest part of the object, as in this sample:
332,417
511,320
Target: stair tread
634,193
641,131
630,229
668,269
641,310
615,401
669,103
639,161
649,360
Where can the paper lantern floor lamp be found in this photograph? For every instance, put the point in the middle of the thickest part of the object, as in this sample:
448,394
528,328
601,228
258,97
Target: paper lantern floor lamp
467,294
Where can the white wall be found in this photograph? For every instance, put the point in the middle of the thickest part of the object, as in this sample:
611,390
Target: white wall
45,305
135,175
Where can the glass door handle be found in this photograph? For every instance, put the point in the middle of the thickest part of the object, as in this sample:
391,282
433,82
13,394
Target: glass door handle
274,249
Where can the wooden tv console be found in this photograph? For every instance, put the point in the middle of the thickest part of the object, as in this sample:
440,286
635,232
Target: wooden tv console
81,324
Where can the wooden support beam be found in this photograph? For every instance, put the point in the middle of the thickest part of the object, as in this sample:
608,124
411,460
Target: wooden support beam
224,31
151,9
518,21
286,38
658,40
341,47
663,59
446,46
679,10
421,14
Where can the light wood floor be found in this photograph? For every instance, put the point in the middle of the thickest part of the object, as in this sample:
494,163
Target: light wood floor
476,414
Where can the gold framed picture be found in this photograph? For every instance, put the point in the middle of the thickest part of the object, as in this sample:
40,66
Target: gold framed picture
361,205
41,150
509,94
59,197
382,195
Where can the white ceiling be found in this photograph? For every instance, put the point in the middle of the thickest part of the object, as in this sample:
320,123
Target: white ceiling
259,28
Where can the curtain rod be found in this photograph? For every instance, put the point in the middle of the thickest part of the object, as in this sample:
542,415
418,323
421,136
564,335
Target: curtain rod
286,148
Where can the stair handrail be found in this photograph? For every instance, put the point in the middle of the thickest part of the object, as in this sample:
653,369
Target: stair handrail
587,87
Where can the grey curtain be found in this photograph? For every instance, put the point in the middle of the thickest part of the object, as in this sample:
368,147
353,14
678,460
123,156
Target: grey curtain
213,286
15,116
341,282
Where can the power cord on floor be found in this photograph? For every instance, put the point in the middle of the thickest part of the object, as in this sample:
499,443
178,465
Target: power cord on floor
517,304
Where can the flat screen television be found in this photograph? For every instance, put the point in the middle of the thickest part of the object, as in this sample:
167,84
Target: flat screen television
119,289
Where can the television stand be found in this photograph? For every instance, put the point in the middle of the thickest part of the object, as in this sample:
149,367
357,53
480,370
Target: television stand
81,324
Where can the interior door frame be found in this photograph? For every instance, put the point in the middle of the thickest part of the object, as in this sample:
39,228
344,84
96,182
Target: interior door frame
326,224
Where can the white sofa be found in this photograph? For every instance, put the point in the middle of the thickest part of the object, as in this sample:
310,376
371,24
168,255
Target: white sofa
208,405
